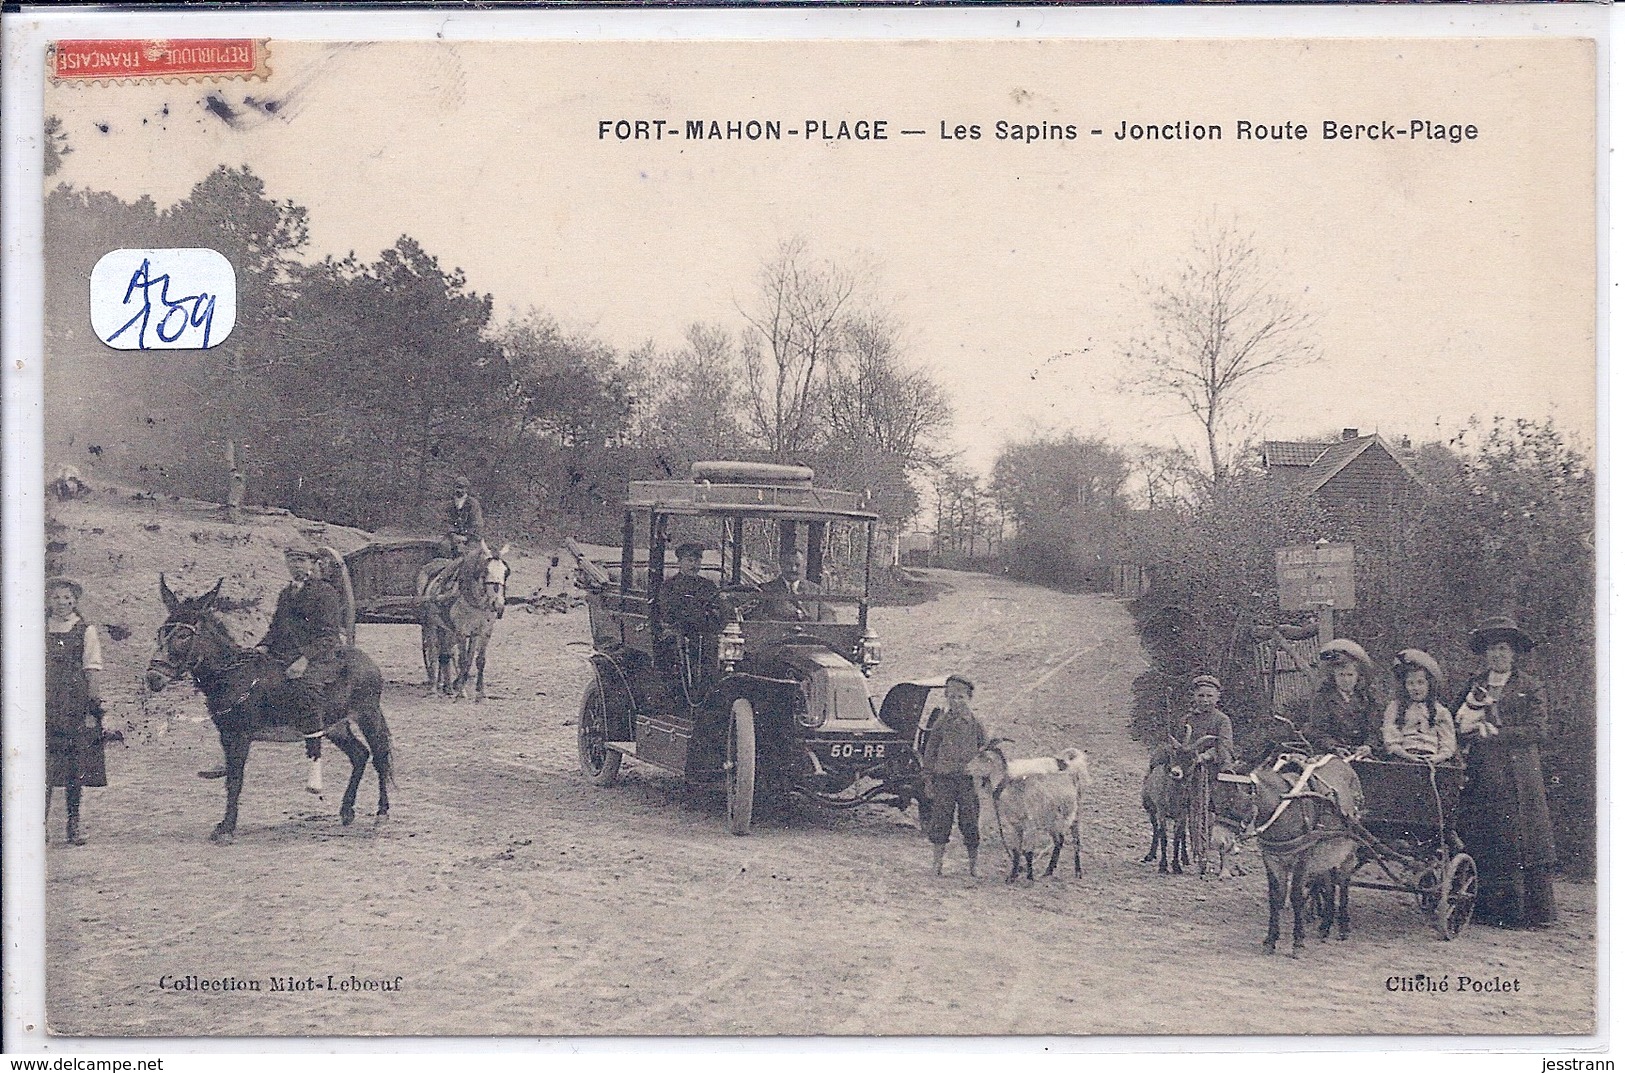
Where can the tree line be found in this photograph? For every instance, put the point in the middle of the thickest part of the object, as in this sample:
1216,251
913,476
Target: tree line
351,389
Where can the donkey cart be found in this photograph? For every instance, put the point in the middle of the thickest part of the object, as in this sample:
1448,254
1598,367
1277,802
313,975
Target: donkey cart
1407,832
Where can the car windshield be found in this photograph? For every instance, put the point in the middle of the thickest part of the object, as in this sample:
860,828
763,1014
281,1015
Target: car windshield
829,555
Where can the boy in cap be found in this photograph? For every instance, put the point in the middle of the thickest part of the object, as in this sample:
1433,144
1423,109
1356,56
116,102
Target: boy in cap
1204,719
955,738
306,636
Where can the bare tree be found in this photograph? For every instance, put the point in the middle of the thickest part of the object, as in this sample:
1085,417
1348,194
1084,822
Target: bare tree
794,329
1222,325
692,398
876,400
1163,476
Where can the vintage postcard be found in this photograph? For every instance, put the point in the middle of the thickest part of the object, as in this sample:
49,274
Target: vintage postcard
1064,536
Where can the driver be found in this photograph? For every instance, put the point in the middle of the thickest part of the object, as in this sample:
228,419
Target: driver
782,598
693,613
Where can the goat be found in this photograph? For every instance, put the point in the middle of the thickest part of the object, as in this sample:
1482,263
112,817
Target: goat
1166,796
1033,797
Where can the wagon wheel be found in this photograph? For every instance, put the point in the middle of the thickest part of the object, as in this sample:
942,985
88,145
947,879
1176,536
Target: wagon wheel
1458,894
600,763
740,767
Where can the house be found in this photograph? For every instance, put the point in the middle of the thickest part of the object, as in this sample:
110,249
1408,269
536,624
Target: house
1363,473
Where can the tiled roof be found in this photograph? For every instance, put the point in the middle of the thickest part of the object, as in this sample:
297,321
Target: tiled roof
1337,456
1291,452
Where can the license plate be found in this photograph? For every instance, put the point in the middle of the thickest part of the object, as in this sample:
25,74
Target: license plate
857,750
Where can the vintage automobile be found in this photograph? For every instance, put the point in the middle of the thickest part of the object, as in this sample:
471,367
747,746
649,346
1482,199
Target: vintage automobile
776,701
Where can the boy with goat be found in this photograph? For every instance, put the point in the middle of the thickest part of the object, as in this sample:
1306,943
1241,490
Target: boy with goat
956,738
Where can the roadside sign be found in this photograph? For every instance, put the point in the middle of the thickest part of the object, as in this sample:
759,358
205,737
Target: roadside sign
1314,576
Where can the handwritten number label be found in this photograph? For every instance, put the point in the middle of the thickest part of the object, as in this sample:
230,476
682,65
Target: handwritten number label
182,299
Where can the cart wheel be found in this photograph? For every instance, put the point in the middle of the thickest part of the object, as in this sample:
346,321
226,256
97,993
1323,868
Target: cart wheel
1458,894
600,763
1427,887
740,768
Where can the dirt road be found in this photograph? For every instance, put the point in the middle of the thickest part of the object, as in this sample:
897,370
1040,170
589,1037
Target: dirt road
509,897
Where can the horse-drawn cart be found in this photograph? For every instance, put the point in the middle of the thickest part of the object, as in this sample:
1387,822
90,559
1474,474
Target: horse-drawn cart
385,578
1407,832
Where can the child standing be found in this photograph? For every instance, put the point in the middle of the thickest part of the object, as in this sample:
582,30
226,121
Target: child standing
74,756
955,739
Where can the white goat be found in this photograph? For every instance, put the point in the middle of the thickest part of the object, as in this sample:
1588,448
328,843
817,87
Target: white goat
1033,798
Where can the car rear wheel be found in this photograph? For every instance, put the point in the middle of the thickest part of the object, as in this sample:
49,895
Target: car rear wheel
739,769
600,763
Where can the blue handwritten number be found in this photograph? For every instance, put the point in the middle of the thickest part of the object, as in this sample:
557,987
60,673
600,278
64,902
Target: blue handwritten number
196,310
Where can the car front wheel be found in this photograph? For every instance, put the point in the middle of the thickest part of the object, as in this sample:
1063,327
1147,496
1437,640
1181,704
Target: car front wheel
739,769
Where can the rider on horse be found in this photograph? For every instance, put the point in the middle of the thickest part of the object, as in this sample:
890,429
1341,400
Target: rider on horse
465,522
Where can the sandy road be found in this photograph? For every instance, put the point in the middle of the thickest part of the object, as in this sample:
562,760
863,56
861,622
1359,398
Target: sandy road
512,898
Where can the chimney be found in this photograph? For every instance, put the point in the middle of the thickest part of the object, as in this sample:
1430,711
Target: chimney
1404,443
1350,434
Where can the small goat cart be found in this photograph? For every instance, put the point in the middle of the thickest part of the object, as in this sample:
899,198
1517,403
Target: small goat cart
1407,833
772,699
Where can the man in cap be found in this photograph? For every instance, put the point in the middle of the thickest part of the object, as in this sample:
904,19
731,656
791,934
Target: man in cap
693,613
465,522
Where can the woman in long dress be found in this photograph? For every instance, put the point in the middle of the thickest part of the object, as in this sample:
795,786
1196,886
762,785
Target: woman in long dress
1503,817
74,755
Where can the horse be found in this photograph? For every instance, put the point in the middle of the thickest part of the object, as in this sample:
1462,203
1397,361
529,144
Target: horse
461,605
1166,796
1296,810
242,689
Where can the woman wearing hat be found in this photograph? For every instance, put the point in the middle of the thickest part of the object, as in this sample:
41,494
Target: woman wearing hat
1345,712
1416,725
1503,818
74,756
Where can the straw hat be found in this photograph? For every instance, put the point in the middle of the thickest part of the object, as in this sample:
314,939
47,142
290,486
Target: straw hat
1343,650
1409,659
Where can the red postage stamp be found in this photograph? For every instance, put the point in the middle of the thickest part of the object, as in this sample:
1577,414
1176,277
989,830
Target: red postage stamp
182,60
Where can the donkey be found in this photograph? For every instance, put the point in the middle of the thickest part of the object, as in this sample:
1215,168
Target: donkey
243,691
461,605
1308,844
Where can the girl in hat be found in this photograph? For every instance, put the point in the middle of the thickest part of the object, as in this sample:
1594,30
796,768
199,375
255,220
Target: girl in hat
74,755
1503,817
1415,725
1344,713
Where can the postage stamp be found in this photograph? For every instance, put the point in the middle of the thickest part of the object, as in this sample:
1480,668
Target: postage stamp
183,60
726,531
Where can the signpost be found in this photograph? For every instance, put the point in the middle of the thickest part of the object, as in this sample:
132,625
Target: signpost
1316,577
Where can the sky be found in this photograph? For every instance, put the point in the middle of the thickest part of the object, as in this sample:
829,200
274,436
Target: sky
1450,279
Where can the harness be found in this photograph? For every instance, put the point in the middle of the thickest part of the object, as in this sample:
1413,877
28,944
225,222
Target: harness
1299,790
190,660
